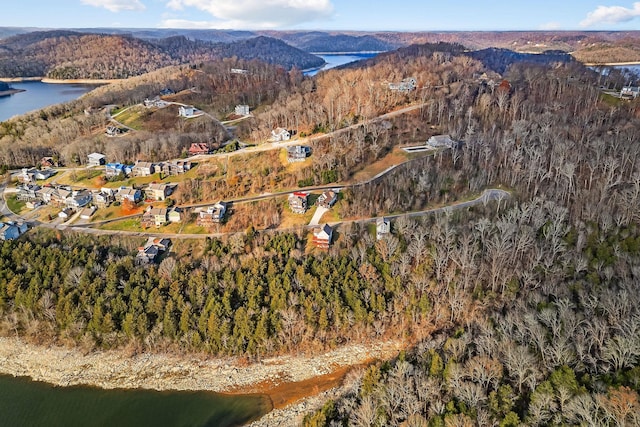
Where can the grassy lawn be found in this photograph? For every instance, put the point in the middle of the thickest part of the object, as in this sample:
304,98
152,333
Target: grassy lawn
82,178
14,204
129,224
133,118
192,228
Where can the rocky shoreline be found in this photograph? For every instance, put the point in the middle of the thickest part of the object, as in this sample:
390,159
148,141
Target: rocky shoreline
114,369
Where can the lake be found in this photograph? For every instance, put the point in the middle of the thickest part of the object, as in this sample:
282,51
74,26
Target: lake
39,95
337,60
29,403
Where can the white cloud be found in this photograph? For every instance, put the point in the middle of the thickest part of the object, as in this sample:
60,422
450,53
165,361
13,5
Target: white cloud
611,15
116,5
255,13
550,26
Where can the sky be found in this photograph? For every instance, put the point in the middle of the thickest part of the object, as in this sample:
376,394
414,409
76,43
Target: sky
358,15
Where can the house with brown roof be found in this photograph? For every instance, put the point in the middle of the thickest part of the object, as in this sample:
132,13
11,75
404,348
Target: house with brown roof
322,236
327,199
199,148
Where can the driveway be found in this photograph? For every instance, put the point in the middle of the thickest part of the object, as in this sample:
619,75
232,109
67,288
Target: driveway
320,210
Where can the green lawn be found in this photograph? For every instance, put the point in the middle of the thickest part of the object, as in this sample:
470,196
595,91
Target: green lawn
14,204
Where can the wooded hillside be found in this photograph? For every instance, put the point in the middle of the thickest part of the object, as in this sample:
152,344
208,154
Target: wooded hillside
72,55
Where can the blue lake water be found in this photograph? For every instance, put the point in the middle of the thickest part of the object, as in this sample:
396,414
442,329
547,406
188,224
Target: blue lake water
38,95
337,60
30,403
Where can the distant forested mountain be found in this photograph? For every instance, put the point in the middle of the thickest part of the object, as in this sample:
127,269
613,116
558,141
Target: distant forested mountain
318,41
499,60
73,55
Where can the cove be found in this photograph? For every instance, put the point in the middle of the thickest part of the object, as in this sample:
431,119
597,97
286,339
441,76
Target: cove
24,402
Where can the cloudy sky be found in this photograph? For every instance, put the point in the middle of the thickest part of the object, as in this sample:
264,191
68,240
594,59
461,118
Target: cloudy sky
398,15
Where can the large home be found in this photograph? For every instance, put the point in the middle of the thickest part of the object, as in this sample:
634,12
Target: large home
154,216
10,230
405,85
383,227
299,202
322,236
30,175
48,162
155,102
96,159
297,153
213,215
630,92
148,253
104,197
280,134
242,110
186,111
143,169
199,148
127,193
174,168
27,192
327,199
113,131
114,169
158,191
239,71
60,195
78,199
437,141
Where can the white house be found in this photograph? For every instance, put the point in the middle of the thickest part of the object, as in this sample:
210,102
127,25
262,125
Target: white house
630,92
242,110
441,141
280,134
383,227
186,111
96,159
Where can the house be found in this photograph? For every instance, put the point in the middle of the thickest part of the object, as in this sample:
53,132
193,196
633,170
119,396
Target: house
27,175
9,231
213,215
32,204
437,141
148,253
158,191
322,236
28,192
175,168
167,91
242,110
630,92
155,102
175,214
96,159
86,213
60,195
154,216
198,148
383,227
46,194
186,111
48,162
299,202
113,131
405,85
66,213
114,169
239,71
44,174
143,169
127,193
327,199
78,199
297,153
104,197
280,134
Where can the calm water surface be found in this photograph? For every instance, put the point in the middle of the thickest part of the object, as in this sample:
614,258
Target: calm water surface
29,403
337,60
39,95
